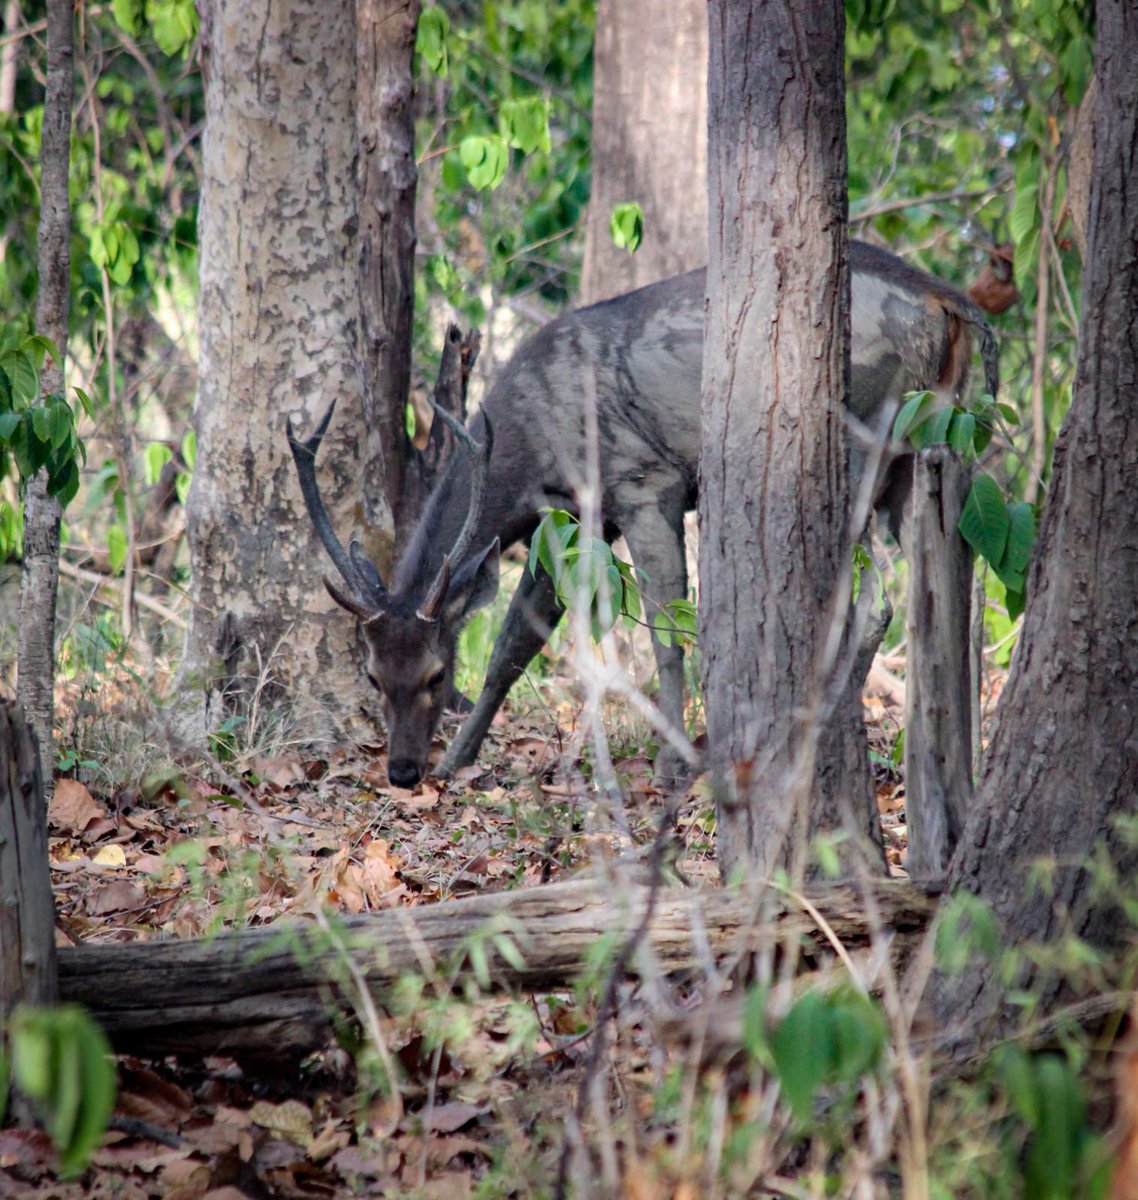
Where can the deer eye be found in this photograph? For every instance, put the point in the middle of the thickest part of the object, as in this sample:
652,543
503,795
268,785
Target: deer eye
436,680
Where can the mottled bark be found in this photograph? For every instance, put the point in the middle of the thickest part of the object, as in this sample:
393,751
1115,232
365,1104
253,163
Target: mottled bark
939,685
1063,761
773,538
39,582
649,142
386,177
27,916
279,317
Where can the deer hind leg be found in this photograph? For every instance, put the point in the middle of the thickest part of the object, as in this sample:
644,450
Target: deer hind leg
654,532
530,619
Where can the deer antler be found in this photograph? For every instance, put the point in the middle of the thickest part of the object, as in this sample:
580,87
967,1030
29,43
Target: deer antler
480,461
359,573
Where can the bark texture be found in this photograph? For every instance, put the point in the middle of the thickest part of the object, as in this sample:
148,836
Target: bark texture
387,175
772,502
280,319
39,581
1063,761
649,142
27,916
262,995
939,685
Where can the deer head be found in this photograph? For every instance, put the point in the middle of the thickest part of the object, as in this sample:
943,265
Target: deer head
412,633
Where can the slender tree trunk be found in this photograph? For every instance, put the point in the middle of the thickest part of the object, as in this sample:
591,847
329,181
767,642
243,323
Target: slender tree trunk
1062,766
39,583
649,142
387,175
773,538
280,321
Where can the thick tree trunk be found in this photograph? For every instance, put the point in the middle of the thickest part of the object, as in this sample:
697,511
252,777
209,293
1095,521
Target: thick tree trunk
773,491
280,328
1063,762
262,995
39,582
939,684
649,142
27,916
387,175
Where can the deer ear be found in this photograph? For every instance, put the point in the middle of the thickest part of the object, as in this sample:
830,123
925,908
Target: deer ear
474,584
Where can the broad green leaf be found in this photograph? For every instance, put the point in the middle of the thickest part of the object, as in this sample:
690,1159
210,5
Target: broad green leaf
158,454
65,485
627,226
1024,217
8,423
984,523
860,1034
911,414
1021,536
60,424
431,39
1024,258
961,432
802,1050
190,448
116,548
84,400
1011,1065
485,160
22,373
39,345
128,16
1014,602
175,24
525,124
934,430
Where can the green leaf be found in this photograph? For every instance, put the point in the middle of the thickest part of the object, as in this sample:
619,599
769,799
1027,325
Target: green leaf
39,345
627,226
911,414
60,424
22,374
84,400
961,432
525,124
801,1046
1021,536
61,1060
1023,220
934,430
182,486
859,1034
984,523
175,24
1014,602
1024,258
190,448
8,423
485,160
64,486
431,39
128,16
158,454
116,548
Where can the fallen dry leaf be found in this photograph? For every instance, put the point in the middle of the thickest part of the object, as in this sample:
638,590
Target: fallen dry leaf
73,807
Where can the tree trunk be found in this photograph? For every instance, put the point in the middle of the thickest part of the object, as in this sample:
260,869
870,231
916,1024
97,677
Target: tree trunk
385,137
939,683
1063,760
773,491
280,331
39,582
262,995
27,916
649,142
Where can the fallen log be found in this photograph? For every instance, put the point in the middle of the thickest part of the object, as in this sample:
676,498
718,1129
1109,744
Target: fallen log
270,994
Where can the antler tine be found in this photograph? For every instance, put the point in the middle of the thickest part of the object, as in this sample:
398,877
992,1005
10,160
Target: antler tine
480,463
365,584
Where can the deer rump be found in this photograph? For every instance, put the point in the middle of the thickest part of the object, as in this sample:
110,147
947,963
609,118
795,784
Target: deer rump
638,359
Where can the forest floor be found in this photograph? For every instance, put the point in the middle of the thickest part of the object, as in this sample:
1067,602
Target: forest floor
486,1087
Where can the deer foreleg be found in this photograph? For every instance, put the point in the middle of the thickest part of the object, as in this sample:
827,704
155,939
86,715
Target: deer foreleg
530,619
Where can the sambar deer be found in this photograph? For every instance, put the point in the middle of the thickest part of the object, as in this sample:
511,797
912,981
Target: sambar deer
525,450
